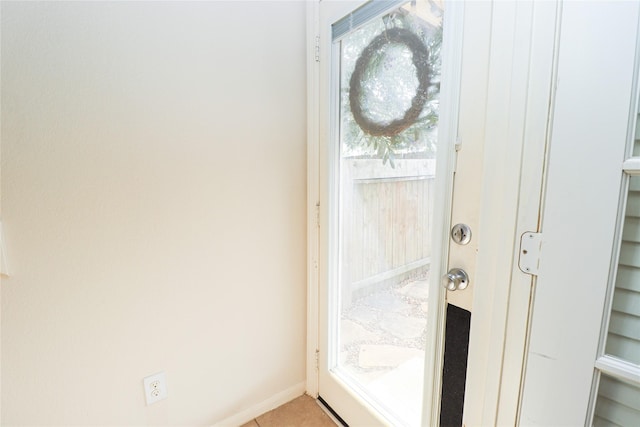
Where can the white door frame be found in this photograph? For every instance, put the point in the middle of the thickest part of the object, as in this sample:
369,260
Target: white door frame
514,131
587,151
313,194
518,119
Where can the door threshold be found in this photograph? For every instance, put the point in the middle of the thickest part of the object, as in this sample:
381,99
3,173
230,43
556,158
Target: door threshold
330,412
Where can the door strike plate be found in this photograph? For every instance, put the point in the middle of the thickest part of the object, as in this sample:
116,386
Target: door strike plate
529,260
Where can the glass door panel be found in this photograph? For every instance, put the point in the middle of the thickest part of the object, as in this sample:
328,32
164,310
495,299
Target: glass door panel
389,80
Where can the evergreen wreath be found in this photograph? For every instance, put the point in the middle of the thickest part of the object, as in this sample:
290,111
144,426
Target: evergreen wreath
420,61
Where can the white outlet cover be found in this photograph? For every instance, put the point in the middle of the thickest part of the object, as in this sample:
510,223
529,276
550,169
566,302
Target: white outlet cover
155,387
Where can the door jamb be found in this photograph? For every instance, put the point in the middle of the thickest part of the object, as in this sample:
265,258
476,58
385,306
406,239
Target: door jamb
313,196
521,87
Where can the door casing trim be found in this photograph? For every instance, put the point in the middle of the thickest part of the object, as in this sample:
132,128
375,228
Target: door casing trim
313,196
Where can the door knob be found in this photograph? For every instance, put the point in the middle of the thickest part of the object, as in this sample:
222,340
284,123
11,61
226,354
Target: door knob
455,279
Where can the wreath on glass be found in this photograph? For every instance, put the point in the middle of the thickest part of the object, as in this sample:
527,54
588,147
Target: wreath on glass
420,61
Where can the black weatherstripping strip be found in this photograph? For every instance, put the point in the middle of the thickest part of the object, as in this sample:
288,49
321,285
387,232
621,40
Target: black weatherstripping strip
454,372
334,413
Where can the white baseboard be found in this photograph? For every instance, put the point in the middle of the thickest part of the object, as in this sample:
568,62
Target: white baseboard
264,406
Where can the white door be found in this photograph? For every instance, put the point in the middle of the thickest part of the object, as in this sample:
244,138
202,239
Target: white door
584,357
392,83
418,98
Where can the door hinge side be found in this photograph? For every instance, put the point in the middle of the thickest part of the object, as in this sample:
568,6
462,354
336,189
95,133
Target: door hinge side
318,215
530,250
317,360
317,49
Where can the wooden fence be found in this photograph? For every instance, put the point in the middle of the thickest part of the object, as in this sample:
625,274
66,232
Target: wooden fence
387,220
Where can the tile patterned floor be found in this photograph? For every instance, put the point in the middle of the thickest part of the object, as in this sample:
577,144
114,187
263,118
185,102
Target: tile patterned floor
300,412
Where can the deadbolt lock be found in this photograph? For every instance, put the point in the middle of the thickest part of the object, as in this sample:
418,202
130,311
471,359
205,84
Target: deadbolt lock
461,234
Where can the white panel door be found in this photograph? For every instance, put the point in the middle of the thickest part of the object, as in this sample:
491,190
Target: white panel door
583,364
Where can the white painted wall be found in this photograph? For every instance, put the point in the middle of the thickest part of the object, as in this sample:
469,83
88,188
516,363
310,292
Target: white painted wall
153,199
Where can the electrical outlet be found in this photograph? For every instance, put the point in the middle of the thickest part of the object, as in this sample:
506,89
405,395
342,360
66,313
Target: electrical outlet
155,387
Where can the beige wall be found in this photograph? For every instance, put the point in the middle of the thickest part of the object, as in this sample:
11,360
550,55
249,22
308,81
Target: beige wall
153,200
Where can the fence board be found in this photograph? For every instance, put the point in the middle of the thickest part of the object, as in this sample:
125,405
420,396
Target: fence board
388,216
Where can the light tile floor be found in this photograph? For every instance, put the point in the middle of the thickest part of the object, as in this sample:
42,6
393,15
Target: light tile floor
301,412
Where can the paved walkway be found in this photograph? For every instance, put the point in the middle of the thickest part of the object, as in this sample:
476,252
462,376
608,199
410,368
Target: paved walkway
382,345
